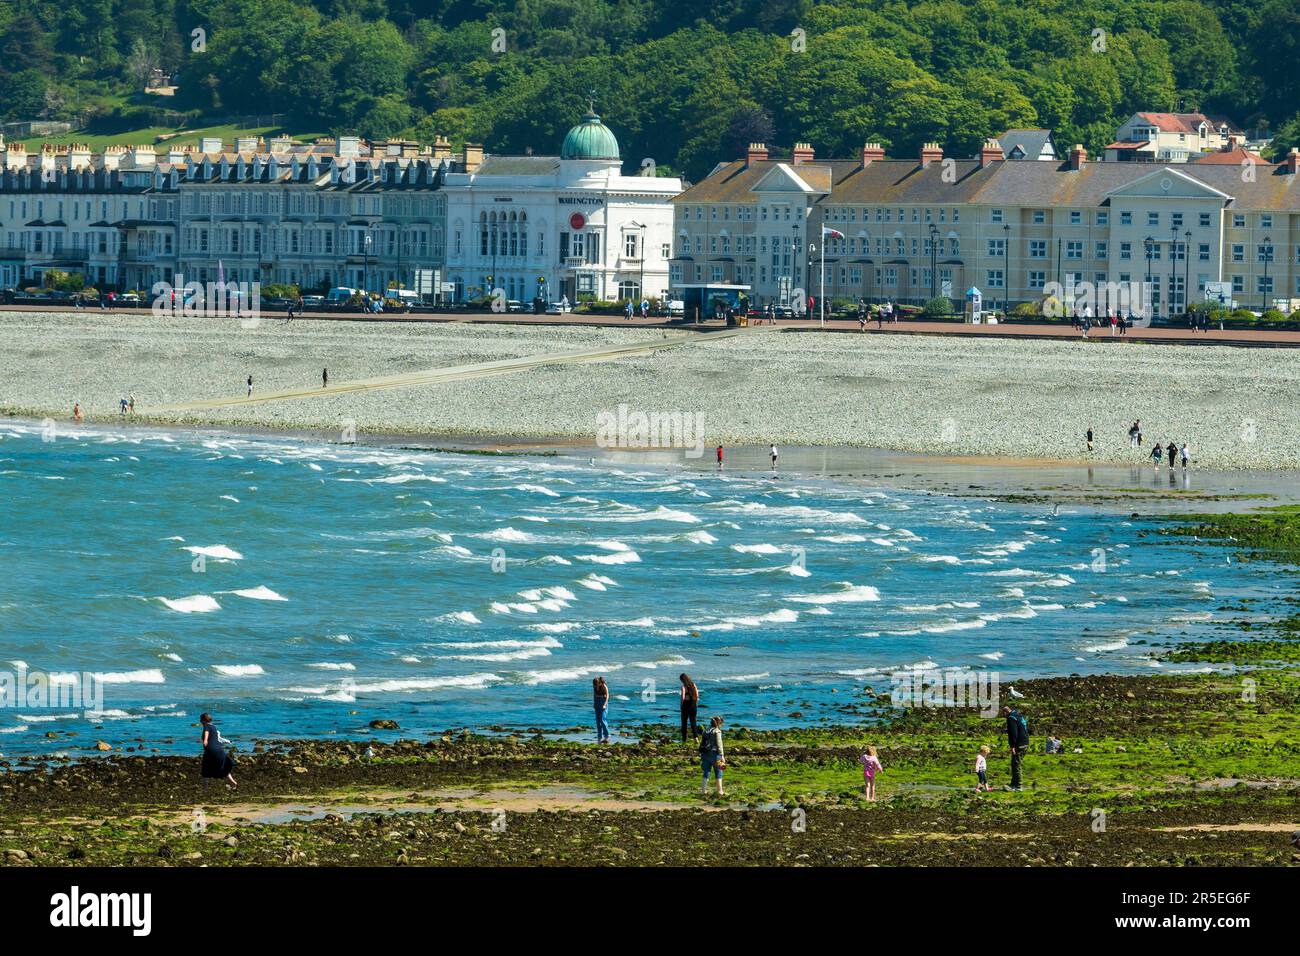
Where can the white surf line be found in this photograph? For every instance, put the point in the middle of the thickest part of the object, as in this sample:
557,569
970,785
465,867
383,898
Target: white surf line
456,373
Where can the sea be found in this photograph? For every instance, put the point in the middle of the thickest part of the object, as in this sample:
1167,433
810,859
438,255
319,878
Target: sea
296,588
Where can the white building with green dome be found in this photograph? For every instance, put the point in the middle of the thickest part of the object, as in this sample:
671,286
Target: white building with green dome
569,226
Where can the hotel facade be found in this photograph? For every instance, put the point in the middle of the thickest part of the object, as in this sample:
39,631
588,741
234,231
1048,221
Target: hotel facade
341,213
915,228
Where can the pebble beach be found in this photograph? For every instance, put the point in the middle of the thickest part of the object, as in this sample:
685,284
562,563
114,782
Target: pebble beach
956,397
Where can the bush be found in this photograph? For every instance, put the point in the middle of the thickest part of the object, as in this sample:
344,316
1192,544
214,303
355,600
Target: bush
280,290
936,308
60,281
1273,316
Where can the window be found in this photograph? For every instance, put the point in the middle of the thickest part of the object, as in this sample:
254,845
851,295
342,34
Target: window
1265,221
1103,218
1074,250
1126,219
1203,252
1076,218
1101,250
1238,253
995,279
1264,253
1037,280
995,215
1238,284
1040,217
1177,220
1205,220
1238,221
629,245
1264,285
1126,250
1153,218
1038,248
997,247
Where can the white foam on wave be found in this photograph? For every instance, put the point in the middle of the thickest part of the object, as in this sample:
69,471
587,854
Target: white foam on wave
508,534
538,489
260,593
239,670
218,552
567,673
333,666
756,548
849,593
194,604
461,617
1109,646
616,557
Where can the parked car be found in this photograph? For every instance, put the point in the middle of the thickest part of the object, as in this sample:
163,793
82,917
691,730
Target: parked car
676,307
558,308
313,301
514,305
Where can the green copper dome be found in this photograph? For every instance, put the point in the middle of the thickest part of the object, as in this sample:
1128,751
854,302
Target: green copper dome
590,139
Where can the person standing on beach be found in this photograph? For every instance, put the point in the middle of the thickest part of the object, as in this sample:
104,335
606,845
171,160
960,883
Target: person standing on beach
1133,435
130,404
1017,741
1088,435
712,756
1173,455
324,378
600,695
1187,456
1156,455
870,766
982,770
719,457
217,764
690,703
250,386
76,412
773,453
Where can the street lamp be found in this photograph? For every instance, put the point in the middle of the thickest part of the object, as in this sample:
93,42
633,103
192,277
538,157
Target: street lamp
1173,270
934,261
640,282
1149,244
794,260
365,284
1187,269
1267,255
1006,268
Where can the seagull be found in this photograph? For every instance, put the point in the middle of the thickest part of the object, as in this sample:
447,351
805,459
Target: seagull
1015,693
1055,509
370,752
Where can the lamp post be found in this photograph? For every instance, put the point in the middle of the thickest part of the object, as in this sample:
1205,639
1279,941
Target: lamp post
1187,269
934,260
1267,255
640,282
495,234
1006,268
1173,271
794,260
1149,244
365,284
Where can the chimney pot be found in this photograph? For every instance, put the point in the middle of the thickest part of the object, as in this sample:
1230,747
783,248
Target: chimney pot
1293,160
802,153
755,152
1078,156
990,152
931,153
870,153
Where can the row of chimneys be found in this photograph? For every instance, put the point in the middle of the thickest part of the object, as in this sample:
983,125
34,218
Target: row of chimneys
930,153
14,156
990,152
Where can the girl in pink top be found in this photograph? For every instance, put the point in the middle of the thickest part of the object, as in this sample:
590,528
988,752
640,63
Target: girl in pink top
870,766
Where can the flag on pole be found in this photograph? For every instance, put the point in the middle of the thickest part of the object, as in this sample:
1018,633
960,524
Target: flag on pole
832,233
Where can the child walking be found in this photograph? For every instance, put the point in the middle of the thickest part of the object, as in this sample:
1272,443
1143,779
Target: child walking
870,766
982,769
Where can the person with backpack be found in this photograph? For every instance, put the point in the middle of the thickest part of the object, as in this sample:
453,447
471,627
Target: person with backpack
1017,741
690,700
712,756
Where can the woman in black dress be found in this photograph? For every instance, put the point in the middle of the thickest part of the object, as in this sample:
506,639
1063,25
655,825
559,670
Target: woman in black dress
217,764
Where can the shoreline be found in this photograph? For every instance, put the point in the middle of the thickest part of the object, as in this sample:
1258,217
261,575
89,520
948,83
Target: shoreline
1026,480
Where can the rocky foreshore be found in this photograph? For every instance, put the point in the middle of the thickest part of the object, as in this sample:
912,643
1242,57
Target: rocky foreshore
935,395
1181,770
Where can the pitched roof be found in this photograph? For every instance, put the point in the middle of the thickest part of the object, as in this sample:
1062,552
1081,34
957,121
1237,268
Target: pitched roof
1030,142
1230,157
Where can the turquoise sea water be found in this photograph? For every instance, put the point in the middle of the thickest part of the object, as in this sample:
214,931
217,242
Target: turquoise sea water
302,589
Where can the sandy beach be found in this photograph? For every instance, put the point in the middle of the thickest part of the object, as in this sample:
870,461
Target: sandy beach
935,396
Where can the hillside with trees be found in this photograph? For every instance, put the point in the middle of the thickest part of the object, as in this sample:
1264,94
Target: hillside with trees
686,82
